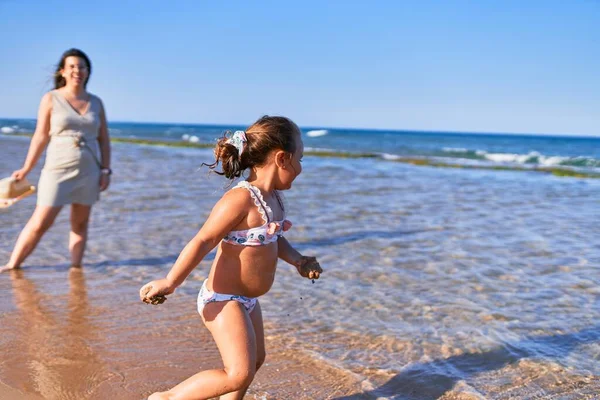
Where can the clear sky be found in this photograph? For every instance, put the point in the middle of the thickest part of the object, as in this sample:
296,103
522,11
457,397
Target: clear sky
483,66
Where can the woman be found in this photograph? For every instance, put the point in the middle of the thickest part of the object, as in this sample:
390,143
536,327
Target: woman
72,123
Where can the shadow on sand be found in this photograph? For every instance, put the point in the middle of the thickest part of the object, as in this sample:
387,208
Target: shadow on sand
425,381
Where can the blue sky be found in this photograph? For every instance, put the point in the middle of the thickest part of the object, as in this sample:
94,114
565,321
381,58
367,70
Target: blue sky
482,66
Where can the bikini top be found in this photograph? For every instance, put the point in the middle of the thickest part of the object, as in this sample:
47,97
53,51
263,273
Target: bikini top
269,231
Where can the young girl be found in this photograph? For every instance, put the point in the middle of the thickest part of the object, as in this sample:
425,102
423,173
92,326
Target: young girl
247,225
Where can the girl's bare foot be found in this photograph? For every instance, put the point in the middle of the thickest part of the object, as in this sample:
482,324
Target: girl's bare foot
7,268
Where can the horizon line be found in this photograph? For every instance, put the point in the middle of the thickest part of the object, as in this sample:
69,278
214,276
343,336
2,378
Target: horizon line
392,130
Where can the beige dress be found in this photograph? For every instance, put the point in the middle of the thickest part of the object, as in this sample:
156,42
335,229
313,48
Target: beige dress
71,173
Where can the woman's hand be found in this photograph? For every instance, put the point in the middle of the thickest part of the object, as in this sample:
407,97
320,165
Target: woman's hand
308,267
154,292
20,174
104,182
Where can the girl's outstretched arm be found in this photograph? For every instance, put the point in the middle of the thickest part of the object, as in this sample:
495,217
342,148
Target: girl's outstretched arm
225,215
308,267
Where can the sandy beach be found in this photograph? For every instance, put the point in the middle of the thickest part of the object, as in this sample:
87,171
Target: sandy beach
81,334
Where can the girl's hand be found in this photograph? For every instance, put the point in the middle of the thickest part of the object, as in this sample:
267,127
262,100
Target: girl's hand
104,182
20,174
155,291
309,267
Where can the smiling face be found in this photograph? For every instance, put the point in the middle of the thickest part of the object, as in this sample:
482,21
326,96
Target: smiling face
75,71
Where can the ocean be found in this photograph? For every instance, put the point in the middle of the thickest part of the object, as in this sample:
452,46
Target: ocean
478,282
511,150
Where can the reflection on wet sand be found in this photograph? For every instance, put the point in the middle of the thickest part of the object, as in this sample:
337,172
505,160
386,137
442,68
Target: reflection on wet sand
52,356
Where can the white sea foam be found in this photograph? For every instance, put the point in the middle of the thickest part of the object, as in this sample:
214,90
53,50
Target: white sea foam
320,149
185,137
556,160
455,149
194,139
508,157
317,133
585,161
8,129
390,157
531,158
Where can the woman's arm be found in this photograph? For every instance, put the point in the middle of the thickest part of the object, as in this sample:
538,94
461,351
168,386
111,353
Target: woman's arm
104,142
225,216
40,138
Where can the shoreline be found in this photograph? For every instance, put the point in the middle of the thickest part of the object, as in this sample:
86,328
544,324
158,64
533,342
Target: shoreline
495,298
416,161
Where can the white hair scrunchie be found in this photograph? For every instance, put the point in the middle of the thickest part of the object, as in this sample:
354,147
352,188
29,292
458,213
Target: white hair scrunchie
238,140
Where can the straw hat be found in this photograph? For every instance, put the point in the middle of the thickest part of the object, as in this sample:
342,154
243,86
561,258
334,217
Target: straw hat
12,191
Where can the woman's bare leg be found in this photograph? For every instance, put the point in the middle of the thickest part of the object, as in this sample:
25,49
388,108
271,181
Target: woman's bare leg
232,330
80,216
41,220
259,333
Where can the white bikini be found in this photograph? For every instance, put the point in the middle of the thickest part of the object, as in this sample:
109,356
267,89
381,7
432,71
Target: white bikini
267,233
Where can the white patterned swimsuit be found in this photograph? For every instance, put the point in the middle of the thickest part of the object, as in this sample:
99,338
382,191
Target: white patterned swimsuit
267,233
208,296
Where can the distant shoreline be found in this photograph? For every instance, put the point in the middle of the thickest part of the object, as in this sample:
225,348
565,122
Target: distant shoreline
234,126
423,162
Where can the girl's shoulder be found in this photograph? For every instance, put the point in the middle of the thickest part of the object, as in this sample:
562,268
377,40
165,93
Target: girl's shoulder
237,197
252,193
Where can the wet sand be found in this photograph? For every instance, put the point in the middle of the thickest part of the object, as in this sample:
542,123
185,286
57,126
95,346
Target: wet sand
75,334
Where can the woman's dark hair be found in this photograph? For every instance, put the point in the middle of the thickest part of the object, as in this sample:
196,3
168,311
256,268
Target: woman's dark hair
263,136
59,81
